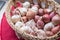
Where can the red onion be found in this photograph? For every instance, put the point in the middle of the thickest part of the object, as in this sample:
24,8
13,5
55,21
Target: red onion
36,18
56,20
56,29
46,18
52,14
40,24
41,12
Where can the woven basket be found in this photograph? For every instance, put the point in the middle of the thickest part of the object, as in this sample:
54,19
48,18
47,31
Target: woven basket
24,35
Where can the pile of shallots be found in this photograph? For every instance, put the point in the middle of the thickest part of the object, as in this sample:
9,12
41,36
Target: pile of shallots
36,21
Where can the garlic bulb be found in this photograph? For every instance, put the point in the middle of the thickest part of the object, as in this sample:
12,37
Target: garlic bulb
41,34
19,24
26,4
30,23
26,29
48,26
34,9
15,18
23,11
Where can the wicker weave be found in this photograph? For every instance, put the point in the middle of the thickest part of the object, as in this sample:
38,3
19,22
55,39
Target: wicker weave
24,35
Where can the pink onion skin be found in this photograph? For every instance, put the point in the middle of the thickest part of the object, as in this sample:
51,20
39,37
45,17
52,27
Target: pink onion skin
46,18
41,12
52,14
49,33
30,15
55,29
36,18
56,20
40,24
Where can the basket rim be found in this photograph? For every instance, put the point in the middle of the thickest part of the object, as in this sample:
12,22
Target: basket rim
11,24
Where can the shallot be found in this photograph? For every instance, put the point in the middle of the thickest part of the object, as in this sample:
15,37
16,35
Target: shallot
36,18
52,14
40,24
56,29
56,20
41,12
46,18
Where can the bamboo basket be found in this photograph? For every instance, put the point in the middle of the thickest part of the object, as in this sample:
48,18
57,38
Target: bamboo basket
24,35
